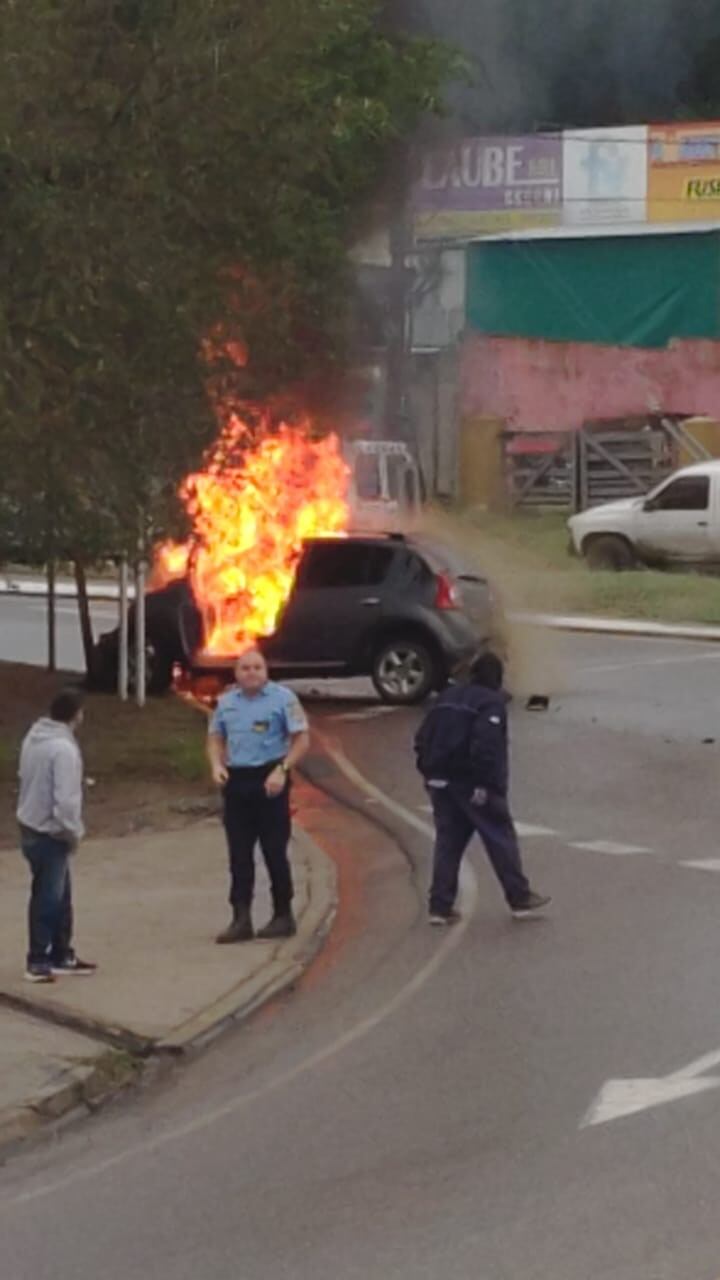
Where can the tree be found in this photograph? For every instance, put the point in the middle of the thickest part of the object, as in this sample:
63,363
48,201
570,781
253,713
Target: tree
173,172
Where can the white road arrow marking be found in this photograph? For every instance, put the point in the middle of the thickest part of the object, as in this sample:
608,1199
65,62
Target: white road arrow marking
620,1098
703,864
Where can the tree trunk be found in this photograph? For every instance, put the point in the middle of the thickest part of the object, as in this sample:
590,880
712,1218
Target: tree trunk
86,630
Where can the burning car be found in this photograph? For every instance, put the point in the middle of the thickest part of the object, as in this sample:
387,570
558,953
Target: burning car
402,610
271,562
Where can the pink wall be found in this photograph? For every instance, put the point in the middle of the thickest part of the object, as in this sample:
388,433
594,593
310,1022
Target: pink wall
552,385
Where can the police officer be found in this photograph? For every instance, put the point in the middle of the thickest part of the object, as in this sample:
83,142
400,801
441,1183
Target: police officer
462,753
258,732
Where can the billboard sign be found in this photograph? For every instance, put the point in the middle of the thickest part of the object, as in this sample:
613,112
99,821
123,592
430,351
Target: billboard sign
605,176
481,186
684,173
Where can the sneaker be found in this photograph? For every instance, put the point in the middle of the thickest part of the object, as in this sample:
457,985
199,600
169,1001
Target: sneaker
442,920
279,927
533,904
241,930
39,973
73,965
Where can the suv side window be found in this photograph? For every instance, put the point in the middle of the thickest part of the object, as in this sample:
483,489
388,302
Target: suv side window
344,564
689,493
411,570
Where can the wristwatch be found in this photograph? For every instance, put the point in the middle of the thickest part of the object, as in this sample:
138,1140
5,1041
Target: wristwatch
285,768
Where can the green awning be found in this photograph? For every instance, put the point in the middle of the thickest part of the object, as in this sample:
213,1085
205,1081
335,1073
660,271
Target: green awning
632,291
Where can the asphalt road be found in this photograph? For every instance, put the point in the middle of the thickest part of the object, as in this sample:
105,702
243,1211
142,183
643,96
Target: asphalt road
419,1108
23,630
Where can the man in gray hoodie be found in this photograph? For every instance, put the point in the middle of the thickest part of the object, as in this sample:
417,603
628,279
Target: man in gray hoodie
50,816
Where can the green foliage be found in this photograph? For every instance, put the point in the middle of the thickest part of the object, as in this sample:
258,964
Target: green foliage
171,170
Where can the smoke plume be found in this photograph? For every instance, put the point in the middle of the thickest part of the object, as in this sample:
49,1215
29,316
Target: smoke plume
545,63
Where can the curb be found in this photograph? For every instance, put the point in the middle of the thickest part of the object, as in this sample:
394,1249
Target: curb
619,627
109,593
111,1075
130,1057
36,588
280,973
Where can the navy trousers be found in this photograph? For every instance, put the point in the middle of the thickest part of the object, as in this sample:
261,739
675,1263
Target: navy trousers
251,817
457,820
50,914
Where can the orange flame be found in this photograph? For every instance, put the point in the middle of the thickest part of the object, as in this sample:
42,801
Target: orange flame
251,508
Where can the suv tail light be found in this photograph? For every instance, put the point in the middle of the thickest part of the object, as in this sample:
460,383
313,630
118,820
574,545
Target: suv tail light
447,595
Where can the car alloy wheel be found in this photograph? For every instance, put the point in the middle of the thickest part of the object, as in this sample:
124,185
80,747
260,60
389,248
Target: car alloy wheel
404,672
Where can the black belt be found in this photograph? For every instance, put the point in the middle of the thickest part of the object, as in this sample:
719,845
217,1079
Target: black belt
248,772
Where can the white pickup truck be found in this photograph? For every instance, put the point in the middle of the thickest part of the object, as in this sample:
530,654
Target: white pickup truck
678,523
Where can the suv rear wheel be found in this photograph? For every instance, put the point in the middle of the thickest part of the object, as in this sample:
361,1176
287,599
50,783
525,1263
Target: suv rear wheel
404,671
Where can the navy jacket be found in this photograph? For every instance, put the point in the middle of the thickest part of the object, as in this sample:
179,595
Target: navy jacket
467,727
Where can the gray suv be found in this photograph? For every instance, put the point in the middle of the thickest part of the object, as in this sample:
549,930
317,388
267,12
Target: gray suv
405,611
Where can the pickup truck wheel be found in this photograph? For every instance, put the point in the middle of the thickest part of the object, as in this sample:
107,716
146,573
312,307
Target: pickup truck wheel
404,672
610,552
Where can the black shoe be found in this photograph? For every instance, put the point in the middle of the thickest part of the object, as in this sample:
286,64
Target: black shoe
531,906
73,965
281,926
39,973
443,919
241,929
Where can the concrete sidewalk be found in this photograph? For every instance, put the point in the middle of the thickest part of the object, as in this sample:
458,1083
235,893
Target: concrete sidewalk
147,910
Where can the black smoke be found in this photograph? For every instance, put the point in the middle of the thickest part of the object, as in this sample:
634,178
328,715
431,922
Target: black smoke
564,63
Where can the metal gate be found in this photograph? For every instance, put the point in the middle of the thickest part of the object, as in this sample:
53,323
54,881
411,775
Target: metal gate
600,462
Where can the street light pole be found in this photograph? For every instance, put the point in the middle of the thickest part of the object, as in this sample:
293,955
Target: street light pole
51,617
396,424
140,652
123,634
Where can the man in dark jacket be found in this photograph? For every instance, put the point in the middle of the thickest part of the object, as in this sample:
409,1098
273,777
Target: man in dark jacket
462,753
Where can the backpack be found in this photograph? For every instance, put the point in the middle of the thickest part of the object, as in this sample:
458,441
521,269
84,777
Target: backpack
442,743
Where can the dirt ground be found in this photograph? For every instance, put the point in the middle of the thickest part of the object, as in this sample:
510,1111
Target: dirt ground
145,767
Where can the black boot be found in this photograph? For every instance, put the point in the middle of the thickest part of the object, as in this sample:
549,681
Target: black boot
241,929
282,925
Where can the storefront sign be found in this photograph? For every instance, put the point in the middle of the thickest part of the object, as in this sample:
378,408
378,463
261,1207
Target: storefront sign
485,185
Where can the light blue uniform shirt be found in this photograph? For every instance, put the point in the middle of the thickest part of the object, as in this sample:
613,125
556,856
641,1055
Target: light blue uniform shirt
257,729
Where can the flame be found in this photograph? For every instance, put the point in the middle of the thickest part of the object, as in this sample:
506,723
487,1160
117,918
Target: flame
251,507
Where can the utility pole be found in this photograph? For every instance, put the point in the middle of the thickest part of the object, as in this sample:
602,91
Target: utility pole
51,616
123,637
397,423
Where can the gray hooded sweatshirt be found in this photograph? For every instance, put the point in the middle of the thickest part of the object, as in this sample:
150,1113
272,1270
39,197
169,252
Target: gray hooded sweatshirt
51,781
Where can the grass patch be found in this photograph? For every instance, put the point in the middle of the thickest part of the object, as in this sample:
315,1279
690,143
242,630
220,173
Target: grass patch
143,761
527,558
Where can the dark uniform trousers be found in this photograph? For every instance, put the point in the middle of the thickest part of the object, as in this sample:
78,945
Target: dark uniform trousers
457,820
252,817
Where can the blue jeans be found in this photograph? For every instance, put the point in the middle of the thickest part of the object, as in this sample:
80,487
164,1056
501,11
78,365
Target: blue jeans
50,914
457,820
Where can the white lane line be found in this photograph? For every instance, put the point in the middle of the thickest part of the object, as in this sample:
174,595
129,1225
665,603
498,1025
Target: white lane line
450,940
608,846
703,864
69,609
370,713
651,662
528,829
